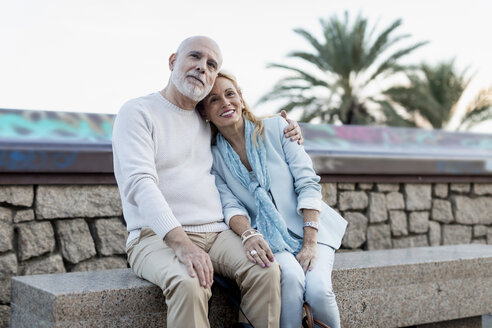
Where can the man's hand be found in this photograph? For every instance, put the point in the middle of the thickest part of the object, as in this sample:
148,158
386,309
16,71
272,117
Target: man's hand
293,131
197,262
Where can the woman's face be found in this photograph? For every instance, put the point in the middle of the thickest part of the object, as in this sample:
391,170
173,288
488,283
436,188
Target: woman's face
223,106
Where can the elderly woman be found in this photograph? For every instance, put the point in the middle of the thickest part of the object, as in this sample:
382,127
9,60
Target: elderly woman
271,198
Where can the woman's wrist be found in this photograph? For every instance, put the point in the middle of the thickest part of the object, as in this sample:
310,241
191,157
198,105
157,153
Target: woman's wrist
249,233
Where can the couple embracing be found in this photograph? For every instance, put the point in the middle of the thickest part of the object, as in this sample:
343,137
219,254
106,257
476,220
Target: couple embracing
207,187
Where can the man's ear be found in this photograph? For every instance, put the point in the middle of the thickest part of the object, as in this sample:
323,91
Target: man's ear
172,60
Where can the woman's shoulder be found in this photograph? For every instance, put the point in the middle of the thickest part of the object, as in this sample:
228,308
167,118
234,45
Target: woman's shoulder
274,120
274,124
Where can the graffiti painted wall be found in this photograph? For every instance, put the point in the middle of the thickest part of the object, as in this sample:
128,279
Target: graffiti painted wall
39,126
44,141
390,140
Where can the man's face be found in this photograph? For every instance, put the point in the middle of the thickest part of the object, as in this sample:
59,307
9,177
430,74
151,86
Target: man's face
195,67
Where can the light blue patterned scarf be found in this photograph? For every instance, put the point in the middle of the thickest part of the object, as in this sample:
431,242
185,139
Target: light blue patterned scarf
268,220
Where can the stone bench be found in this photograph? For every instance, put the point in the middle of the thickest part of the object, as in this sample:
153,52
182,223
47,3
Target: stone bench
450,285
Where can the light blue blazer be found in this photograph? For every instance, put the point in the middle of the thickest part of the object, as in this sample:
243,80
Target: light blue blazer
294,186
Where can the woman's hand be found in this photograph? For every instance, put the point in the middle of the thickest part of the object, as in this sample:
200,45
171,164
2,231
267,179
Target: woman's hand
262,254
307,256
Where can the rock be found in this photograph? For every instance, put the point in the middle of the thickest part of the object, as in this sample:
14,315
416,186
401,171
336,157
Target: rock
489,235
76,242
377,208
110,236
353,200
456,234
460,187
434,233
395,201
388,187
6,214
17,195
418,196
77,201
379,237
50,264
8,265
355,235
34,239
6,229
346,186
473,210
441,190
365,186
411,241
441,211
329,193
102,263
398,223
482,189
4,290
8,268
4,316
479,231
481,241
418,222
24,216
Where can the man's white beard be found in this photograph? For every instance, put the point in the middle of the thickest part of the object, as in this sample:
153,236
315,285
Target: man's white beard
187,89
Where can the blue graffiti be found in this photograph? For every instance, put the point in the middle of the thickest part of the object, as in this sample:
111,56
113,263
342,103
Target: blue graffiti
35,160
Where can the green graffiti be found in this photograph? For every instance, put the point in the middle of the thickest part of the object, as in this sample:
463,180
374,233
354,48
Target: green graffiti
17,126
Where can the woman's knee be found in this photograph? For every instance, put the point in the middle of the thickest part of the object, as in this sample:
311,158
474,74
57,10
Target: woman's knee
293,277
320,293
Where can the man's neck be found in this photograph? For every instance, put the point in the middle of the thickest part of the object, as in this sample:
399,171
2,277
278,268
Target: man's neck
176,98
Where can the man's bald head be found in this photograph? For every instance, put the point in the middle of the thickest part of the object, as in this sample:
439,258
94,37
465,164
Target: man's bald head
198,41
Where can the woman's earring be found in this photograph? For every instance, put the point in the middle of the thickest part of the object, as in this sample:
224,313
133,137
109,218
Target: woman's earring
207,120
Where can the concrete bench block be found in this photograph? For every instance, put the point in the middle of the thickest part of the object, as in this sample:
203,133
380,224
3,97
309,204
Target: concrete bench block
384,288
405,287
111,298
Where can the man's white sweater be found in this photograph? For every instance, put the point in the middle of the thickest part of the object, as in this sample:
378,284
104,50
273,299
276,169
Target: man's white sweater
162,162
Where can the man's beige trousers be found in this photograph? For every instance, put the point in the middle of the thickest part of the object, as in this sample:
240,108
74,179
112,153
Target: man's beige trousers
187,302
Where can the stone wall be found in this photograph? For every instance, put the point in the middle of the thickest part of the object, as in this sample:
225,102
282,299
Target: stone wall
49,229
400,215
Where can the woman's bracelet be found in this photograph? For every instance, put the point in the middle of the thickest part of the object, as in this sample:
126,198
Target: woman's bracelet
248,232
250,236
311,224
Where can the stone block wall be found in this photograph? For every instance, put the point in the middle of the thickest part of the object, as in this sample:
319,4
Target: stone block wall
64,228
51,229
400,215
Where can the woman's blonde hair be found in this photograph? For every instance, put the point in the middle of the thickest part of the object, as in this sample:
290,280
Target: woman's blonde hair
248,114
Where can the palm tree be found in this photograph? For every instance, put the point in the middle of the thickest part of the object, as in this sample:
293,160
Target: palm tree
478,110
349,62
434,93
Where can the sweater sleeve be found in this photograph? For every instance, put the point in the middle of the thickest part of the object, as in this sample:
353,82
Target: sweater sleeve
306,181
135,170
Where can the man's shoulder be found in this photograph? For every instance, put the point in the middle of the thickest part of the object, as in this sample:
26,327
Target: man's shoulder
140,102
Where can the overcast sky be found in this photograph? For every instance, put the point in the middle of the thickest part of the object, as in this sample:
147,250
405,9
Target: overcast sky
93,55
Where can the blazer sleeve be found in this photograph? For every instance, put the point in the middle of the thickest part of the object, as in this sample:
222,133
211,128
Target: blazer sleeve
306,181
231,205
133,150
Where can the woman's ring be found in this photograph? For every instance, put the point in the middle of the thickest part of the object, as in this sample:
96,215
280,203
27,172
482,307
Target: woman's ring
253,252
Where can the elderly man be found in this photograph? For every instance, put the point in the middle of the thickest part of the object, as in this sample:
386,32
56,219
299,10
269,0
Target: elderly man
177,234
